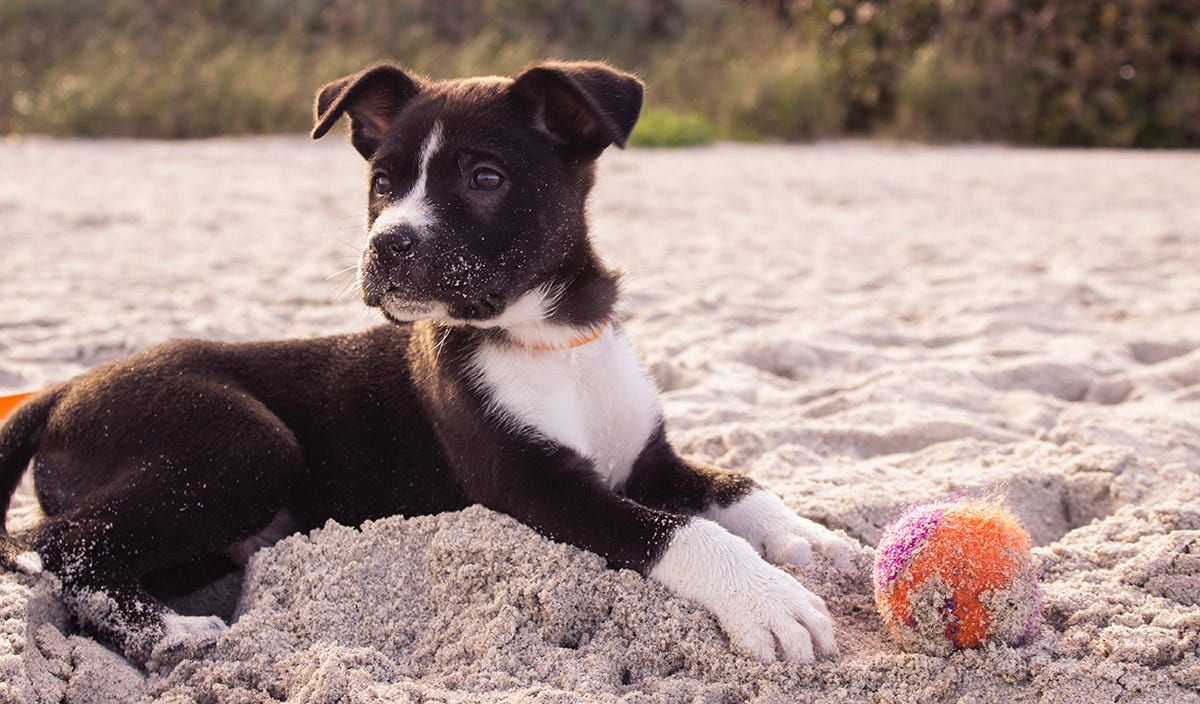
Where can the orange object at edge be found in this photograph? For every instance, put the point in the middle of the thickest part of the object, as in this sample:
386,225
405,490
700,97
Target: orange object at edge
9,402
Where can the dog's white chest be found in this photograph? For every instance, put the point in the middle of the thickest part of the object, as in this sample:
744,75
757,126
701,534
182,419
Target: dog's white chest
595,399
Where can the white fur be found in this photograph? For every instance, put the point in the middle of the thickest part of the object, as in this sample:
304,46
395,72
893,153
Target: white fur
414,209
184,637
29,562
179,629
405,310
531,309
595,398
525,320
758,605
777,533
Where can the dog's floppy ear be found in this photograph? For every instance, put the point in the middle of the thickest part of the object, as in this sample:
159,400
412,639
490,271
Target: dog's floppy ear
582,104
372,97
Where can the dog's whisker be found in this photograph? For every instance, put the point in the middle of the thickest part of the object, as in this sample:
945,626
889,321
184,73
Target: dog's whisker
343,293
341,272
437,349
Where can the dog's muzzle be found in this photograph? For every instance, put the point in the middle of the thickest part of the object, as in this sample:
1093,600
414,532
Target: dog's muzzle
398,275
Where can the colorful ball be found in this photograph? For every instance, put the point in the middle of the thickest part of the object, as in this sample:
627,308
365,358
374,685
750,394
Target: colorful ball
955,574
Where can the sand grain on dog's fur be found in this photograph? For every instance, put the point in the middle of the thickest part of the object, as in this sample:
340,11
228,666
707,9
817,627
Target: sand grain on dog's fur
859,326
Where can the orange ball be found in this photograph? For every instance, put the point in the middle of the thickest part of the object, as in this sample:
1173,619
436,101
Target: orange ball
955,574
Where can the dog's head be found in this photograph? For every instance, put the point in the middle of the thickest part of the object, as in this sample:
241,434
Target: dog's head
478,188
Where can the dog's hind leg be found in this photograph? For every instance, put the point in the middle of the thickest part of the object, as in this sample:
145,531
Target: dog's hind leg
165,512
91,557
110,603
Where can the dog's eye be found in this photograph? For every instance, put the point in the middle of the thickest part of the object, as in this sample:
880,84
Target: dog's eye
486,179
381,184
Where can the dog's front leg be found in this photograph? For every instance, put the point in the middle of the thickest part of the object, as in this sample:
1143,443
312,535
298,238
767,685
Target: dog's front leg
759,606
763,609
662,479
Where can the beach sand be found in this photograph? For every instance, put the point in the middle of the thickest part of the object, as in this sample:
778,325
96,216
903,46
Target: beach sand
860,327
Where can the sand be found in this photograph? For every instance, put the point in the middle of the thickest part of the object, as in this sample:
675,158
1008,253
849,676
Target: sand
859,326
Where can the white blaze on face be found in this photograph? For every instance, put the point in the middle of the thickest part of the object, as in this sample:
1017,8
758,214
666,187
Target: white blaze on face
414,209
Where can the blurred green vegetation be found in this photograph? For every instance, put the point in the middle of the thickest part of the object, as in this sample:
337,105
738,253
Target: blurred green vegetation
661,127
1083,72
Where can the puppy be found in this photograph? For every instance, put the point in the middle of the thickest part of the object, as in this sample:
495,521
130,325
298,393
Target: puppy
502,378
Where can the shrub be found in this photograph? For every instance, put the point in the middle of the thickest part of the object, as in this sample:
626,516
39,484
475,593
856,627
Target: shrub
1086,72
792,96
940,99
662,127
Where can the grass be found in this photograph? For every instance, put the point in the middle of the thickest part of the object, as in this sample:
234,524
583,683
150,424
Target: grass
714,69
663,127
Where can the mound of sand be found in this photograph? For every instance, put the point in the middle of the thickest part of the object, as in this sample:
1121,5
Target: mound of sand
860,327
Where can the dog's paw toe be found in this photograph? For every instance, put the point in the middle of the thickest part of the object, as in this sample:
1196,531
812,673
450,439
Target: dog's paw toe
28,562
831,546
185,637
787,549
839,551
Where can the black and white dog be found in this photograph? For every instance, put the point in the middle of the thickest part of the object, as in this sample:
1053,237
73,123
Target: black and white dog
504,378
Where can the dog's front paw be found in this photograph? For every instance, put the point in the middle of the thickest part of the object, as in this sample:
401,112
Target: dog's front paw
765,612
779,620
185,637
763,520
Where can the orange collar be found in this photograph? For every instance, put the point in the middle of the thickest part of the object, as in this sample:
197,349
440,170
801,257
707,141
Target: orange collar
577,341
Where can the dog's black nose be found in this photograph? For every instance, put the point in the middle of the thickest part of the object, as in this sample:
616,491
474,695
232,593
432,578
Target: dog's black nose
394,245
